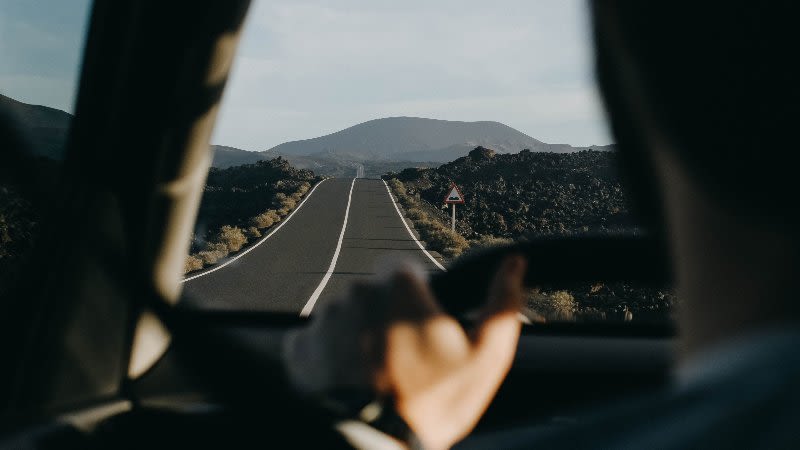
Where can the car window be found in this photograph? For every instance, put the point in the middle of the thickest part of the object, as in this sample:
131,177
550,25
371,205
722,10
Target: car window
355,135
40,50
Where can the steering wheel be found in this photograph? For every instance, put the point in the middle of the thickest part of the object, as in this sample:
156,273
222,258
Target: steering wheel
554,261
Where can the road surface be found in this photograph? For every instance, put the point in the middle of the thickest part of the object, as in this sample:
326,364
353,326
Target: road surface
344,230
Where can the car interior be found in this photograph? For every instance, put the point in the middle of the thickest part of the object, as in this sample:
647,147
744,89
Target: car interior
101,350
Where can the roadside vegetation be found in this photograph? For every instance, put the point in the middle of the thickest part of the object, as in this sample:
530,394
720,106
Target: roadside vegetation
436,235
232,212
433,226
530,194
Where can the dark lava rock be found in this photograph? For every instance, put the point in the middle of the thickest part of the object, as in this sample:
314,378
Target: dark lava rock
481,154
530,193
540,194
235,194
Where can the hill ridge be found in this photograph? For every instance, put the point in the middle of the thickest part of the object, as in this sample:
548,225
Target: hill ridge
416,139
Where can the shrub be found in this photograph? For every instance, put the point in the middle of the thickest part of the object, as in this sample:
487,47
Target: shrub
253,233
488,241
218,247
229,239
407,201
232,238
426,225
192,263
397,186
285,203
213,254
556,306
399,190
288,203
266,219
261,221
445,238
485,242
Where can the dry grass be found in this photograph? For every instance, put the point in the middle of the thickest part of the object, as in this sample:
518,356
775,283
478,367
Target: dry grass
415,214
266,219
213,254
233,238
397,186
285,203
487,241
252,233
553,306
440,238
304,187
192,263
436,235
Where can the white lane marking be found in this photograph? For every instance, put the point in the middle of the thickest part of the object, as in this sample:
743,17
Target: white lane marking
411,233
306,311
281,224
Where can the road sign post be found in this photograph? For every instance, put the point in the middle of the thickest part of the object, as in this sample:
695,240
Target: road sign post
453,198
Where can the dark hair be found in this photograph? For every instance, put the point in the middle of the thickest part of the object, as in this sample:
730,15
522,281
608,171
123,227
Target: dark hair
719,80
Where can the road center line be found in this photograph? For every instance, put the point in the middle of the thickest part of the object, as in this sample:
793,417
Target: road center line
318,291
252,247
411,233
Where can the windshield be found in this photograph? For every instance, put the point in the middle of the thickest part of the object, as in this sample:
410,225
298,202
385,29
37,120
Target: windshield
40,50
357,135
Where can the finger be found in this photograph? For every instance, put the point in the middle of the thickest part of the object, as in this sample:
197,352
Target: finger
407,298
505,292
498,330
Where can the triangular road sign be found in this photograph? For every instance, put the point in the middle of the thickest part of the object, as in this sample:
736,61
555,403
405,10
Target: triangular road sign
454,196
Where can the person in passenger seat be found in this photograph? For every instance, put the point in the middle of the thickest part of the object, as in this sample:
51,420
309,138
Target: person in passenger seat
703,102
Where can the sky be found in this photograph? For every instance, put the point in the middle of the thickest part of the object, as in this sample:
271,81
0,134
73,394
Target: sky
307,68
40,50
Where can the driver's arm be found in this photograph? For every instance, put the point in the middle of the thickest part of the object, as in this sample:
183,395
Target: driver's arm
394,339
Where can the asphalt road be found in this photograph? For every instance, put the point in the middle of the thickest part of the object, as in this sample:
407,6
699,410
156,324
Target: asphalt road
298,268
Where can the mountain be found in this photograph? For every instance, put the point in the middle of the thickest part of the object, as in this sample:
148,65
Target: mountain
390,140
225,156
417,139
44,127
